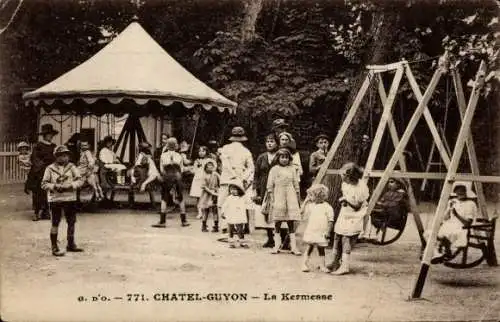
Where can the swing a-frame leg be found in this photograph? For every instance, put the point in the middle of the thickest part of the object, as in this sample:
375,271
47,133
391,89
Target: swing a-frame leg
445,194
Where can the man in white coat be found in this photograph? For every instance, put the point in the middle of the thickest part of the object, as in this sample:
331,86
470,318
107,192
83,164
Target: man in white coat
237,163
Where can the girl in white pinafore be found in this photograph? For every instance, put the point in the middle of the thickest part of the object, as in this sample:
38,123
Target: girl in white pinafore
319,224
283,190
349,224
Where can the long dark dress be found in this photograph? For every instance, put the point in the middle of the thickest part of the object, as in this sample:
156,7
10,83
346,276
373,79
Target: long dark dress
262,168
41,157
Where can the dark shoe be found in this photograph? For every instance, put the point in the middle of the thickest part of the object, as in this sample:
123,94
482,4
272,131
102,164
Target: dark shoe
162,222
215,229
268,244
184,222
73,248
204,227
56,252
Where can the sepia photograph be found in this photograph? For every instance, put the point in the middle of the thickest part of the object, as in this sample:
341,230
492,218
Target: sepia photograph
249,160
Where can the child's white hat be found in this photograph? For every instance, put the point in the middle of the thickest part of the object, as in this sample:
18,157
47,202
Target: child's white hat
468,189
237,183
22,144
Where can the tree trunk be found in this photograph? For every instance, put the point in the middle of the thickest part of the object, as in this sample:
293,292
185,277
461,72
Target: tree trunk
251,13
252,10
384,23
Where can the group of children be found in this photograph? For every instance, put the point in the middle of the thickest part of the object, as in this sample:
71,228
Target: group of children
276,198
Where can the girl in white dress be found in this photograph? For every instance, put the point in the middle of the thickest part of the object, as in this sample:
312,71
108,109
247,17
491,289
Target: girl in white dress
462,209
354,198
319,225
198,169
234,211
283,191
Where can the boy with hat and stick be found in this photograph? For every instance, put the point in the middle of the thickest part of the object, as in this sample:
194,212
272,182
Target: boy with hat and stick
237,163
61,179
41,157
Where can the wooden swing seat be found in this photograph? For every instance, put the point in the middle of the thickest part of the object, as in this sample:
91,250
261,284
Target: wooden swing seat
480,235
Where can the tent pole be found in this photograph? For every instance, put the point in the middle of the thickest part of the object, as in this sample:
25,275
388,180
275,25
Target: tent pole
198,117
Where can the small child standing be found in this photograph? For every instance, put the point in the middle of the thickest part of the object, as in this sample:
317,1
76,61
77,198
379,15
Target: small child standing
88,168
199,171
208,198
462,209
283,191
24,157
233,210
60,180
319,225
24,160
355,194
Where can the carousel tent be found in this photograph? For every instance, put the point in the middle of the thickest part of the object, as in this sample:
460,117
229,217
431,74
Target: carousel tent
132,66
131,75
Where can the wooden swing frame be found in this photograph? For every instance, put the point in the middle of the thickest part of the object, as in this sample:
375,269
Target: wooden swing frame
464,139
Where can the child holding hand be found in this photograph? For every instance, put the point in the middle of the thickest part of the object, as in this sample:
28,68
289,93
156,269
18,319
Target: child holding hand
349,224
319,225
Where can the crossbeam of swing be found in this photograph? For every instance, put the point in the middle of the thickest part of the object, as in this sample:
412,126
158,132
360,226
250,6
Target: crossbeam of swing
386,68
427,175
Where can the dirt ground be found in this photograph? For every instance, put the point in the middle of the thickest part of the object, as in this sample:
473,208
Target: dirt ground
124,255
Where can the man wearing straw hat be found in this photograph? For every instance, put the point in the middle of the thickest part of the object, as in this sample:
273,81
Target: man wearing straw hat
237,163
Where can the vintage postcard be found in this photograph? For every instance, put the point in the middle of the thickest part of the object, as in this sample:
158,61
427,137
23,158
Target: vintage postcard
249,160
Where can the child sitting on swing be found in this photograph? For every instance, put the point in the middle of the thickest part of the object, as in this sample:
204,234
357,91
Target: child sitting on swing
462,210
392,206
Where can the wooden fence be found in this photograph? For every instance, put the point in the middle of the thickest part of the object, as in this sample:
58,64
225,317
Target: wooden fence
10,171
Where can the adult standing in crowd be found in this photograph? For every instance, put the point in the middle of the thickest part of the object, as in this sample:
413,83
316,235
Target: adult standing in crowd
263,165
41,157
237,163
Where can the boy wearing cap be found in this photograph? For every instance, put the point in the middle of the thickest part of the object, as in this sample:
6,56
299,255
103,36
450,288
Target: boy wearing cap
61,179
318,157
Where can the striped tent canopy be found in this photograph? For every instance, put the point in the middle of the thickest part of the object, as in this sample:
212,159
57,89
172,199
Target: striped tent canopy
132,68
